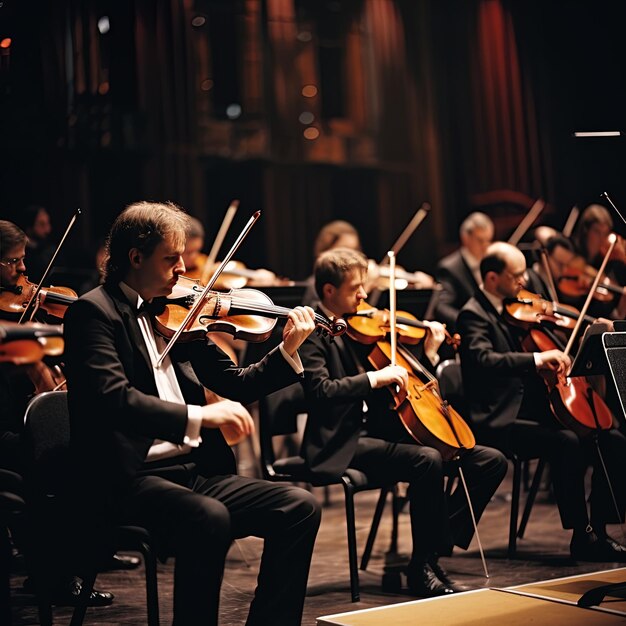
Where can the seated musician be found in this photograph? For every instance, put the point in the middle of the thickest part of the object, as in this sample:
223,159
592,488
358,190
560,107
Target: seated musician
560,253
150,450
590,239
335,234
16,389
510,409
350,424
459,273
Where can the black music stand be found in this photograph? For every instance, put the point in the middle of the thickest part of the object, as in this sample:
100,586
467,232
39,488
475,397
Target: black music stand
604,352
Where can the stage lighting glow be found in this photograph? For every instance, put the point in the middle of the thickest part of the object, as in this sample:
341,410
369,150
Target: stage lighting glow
5,43
233,111
104,26
309,91
306,118
198,21
304,36
311,133
206,85
598,133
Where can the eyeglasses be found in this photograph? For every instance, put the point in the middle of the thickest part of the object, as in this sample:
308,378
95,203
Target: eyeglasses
12,262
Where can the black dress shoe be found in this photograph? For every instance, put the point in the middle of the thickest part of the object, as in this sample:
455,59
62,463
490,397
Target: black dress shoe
594,548
423,582
122,561
68,595
444,577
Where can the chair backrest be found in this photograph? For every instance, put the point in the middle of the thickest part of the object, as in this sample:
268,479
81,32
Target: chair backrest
278,415
451,386
47,437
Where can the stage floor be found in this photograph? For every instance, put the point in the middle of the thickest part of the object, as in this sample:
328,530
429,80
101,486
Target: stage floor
542,555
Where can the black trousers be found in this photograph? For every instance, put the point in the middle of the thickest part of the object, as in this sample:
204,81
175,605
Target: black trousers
569,458
436,525
196,518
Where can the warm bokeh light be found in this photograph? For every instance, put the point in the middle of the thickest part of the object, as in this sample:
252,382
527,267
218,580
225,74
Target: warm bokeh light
311,132
103,88
206,85
5,43
198,21
309,91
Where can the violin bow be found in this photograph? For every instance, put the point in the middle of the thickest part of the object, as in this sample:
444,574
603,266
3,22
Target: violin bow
572,218
47,272
594,285
194,311
548,272
527,222
219,240
409,229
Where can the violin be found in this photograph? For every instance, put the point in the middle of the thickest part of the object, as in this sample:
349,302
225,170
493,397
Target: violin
369,325
379,276
246,314
23,344
236,275
577,278
54,300
530,309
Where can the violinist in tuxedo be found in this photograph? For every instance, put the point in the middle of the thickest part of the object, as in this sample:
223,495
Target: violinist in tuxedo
459,273
510,409
151,452
351,425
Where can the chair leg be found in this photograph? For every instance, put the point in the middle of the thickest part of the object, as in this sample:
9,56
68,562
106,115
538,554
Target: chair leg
380,507
351,529
80,610
152,590
530,500
396,507
517,479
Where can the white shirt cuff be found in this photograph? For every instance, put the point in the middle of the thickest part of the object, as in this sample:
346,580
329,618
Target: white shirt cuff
294,361
435,360
194,424
370,376
536,357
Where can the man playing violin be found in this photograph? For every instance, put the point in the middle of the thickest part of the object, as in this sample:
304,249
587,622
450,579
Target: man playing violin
510,409
151,451
351,425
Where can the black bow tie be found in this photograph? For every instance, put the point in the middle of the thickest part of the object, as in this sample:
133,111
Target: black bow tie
156,307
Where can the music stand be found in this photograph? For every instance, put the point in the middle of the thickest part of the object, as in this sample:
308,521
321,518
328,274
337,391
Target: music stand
604,352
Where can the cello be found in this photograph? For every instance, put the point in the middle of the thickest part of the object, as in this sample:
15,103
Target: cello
425,415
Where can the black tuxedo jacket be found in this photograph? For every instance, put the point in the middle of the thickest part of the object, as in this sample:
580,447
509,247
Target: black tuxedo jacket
115,411
495,371
458,285
335,391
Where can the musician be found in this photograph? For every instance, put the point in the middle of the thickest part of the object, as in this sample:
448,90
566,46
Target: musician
35,221
16,389
350,424
459,273
335,234
150,451
510,409
590,239
560,253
